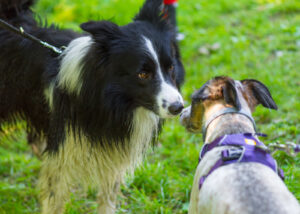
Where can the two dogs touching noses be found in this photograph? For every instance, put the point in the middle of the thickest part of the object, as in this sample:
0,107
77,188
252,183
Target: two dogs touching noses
223,107
117,118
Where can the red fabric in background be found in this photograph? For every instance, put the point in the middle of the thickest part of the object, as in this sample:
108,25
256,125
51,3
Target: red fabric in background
170,1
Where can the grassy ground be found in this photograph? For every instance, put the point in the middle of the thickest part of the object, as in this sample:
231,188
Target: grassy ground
254,38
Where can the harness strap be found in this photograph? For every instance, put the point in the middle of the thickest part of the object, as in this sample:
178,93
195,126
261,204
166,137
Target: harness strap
203,178
246,148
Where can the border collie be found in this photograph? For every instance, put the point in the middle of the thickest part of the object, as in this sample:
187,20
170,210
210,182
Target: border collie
98,105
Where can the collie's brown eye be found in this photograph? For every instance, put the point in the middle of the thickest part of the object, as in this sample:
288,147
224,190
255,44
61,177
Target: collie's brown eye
145,75
171,69
171,72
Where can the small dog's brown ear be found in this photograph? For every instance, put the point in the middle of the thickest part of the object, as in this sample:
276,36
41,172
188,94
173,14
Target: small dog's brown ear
217,89
230,94
202,94
260,93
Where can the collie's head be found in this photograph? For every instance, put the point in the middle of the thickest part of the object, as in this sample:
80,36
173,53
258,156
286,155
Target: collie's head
138,63
118,69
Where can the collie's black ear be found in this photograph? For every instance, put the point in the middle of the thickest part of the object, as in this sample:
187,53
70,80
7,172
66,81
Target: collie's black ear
260,93
152,11
101,29
230,94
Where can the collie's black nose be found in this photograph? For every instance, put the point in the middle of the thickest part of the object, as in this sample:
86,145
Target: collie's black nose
175,108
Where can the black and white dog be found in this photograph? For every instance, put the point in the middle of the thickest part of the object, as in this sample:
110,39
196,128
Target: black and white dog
98,105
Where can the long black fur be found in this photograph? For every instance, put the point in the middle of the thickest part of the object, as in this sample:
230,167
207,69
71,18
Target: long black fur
103,110
23,65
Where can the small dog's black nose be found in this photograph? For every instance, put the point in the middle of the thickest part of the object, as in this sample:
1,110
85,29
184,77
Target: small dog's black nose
175,108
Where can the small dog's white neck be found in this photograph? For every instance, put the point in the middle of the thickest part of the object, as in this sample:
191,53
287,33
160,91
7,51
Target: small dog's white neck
228,124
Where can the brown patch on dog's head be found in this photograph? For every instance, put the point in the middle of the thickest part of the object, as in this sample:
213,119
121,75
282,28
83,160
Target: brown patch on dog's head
220,90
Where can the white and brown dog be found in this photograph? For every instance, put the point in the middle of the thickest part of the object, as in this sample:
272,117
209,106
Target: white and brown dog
235,175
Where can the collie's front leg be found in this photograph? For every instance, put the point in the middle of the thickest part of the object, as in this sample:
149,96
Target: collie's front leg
107,201
54,184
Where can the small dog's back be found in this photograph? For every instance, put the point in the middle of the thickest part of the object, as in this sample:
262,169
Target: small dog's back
246,188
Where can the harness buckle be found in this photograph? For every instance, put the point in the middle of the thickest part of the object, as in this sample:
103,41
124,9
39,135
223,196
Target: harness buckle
231,154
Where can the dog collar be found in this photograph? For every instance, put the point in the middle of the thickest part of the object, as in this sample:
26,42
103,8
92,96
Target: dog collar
226,111
247,148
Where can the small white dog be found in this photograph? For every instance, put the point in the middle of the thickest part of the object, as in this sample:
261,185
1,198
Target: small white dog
235,175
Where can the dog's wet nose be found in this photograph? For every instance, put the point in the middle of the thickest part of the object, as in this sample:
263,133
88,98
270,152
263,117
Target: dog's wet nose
175,108
185,116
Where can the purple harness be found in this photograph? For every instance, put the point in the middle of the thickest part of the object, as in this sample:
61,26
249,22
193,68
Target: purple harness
247,149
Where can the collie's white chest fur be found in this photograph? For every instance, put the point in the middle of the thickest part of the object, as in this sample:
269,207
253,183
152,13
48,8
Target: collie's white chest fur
103,168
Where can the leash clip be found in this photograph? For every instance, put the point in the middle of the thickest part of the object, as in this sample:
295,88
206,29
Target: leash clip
263,148
290,148
231,154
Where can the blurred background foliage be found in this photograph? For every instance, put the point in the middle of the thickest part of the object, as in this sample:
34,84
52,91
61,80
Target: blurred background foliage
257,39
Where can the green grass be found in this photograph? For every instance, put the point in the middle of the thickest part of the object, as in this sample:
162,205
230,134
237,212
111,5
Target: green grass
252,34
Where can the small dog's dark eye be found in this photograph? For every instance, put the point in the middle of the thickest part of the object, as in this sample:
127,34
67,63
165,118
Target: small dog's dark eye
145,75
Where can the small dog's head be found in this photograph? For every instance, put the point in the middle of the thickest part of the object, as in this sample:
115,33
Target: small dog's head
139,62
223,92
